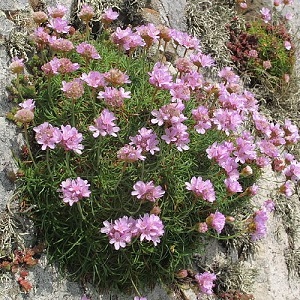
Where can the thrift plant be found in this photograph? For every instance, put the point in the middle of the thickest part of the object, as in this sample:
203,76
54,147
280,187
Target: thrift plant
132,164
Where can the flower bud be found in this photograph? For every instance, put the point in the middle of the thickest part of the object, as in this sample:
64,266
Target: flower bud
24,115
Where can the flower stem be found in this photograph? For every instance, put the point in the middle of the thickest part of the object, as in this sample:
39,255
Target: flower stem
27,142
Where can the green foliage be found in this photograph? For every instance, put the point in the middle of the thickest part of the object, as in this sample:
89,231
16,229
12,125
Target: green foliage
72,233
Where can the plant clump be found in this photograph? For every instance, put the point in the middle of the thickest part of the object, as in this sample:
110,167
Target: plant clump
263,49
130,167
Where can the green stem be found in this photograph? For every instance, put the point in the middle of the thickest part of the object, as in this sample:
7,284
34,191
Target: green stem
48,164
73,113
27,143
19,87
80,210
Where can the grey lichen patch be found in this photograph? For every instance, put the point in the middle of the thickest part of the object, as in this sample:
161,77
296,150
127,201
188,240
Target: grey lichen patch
207,20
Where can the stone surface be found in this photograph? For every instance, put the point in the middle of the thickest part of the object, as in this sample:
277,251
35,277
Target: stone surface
13,4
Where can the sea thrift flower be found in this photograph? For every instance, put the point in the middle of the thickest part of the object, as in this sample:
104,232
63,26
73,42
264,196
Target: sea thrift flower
59,66
39,17
71,139
57,12
17,65
267,64
160,76
201,60
59,44
87,50
201,188
252,190
180,91
74,190
265,14
73,89
193,80
291,133
287,45
104,124
292,172
94,79
120,232
253,53
216,221
183,65
150,227
287,188
233,186
206,282
269,205
147,191
47,135
139,298
86,13
145,140
59,25
202,227
202,118
258,226
130,154
28,104
109,15
24,116
113,96
228,75
178,135
116,77
227,120
169,114
41,36
149,33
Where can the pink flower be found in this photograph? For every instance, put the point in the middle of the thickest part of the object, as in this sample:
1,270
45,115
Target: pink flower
145,140
116,77
206,282
17,65
59,44
149,33
57,12
24,116
288,16
47,135
71,139
104,124
228,75
265,14
113,96
201,60
180,91
87,50
130,154
201,188
109,15
269,205
120,232
59,66
150,227
183,65
41,36
253,53
258,226
216,221
28,104
287,188
86,13
184,39
291,133
202,227
178,135
73,89
74,190
202,118
94,79
267,64
292,172
169,114
233,186
84,297
147,191
227,120
59,25
139,298
160,76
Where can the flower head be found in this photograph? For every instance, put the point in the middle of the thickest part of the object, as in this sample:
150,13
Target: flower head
28,104
47,135
130,154
201,188
86,13
24,116
104,124
206,282
17,65
150,227
71,139
216,221
73,89
57,12
74,190
109,15
87,50
147,191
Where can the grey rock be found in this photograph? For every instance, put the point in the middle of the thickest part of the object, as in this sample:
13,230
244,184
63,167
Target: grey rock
14,4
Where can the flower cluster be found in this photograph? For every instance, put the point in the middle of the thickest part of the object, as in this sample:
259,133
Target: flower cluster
74,190
68,137
206,282
123,230
147,191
